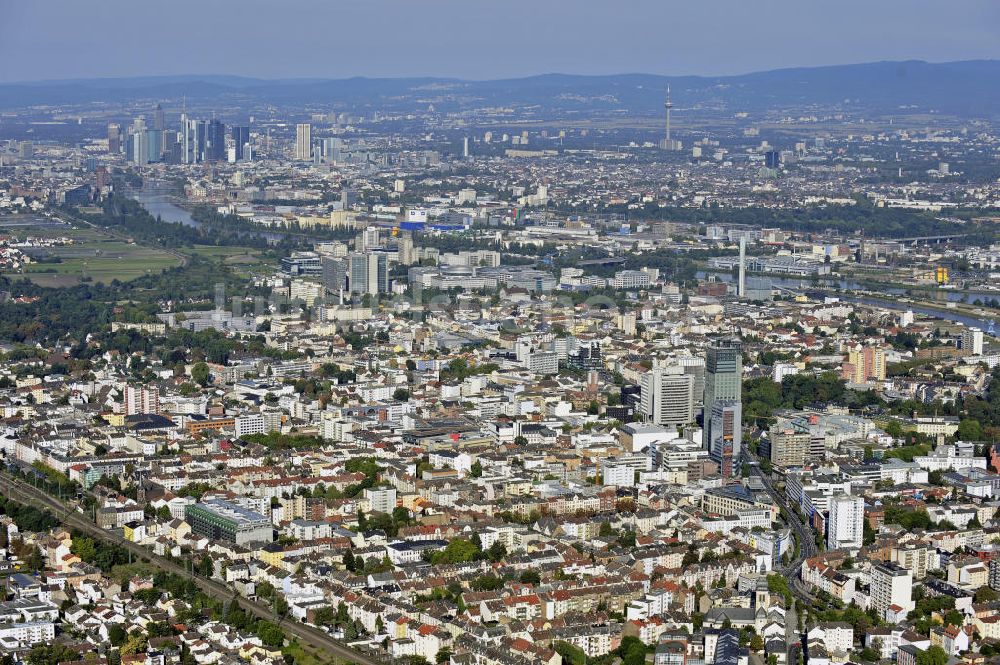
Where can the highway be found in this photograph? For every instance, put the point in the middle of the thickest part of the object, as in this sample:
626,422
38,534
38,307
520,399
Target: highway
309,636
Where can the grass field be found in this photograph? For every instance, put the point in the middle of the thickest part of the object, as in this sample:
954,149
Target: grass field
244,261
95,254
305,656
213,251
228,255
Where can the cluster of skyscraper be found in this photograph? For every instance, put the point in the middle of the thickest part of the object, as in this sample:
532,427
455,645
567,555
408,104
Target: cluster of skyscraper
363,271
196,141
669,396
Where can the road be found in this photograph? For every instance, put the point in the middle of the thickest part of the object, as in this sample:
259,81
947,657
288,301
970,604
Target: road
309,636
807,548
805,535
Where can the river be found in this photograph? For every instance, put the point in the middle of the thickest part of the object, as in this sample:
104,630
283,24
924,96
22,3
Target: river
797,284
955,317
827,286
157,198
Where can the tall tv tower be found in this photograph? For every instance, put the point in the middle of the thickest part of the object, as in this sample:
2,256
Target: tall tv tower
669,143
668,105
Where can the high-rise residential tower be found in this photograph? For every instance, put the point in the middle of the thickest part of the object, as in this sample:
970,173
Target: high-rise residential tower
845,528
972,341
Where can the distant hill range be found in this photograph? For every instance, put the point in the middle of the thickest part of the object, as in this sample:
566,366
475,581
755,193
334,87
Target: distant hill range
968,88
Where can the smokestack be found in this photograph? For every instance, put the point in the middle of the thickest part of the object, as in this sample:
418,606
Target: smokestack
741,288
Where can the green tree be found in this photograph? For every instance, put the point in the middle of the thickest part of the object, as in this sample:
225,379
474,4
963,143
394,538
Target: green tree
84,548
570,654
531,577
135,643
351,631
200,373
270,634
400,516
870,654
894,429
458,550
415,660
477,469
496,552
970,430
935,655
117,635
632,651
487,583
51,654
324,616
280,606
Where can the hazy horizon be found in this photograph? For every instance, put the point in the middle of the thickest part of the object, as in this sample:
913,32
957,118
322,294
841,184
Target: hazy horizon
223,75
468,39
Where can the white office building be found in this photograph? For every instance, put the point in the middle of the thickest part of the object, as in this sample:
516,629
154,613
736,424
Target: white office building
249,424
845,528
781,370
667,397
631,279
621,471
542,362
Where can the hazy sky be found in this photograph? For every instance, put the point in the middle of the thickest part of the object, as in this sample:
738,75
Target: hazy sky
51,39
